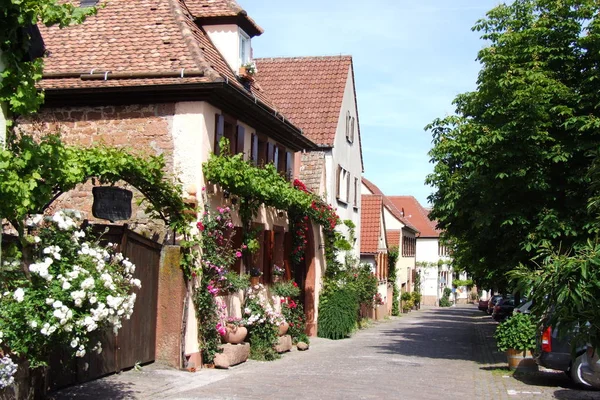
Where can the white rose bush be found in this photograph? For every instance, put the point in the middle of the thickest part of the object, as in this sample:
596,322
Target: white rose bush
74,289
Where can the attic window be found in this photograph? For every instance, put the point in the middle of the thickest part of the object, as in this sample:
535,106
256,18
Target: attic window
245,49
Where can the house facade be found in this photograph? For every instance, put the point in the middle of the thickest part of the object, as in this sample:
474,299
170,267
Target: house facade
162,78
400,234
318,95
432,257
374,248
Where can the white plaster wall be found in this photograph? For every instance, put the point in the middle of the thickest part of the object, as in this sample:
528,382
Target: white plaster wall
364,189
348,156
226,38
429,281
391,222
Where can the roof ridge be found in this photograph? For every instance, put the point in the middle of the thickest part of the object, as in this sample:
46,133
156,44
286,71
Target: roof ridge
328,57
182,20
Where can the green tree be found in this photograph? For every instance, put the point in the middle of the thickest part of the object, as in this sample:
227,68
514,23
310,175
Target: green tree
511,166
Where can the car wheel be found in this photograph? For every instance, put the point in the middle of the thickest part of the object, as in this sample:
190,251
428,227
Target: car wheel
575,373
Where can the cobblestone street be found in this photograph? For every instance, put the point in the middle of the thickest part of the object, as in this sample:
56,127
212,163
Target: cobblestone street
430,354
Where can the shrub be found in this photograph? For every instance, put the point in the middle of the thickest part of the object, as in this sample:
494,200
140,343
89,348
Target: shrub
517,332
338,311
285,289
405,296
234,282
445,300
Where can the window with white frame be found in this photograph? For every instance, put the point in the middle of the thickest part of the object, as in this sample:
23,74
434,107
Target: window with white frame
245,49
343,185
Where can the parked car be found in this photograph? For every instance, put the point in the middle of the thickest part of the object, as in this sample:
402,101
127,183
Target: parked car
492,302
590,368
504,308
524,308
483,305
554,352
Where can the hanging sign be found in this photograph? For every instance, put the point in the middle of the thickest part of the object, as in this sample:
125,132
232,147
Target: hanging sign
111,203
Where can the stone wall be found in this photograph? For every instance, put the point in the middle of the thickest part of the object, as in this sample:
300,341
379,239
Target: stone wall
142,129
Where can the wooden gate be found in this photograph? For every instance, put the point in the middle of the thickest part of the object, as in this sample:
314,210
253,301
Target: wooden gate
136,340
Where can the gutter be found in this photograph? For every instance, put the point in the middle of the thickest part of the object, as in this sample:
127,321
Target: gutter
106,75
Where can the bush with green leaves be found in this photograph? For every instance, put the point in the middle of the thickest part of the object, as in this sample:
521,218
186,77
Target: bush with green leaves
263,323
293,312
285,289
72,290
445,300
517,332
363,282
338,313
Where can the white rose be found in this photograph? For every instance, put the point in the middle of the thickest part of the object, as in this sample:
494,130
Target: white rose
19,295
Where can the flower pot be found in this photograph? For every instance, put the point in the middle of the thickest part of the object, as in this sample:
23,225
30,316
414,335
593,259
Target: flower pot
283,328
235,334
254,280
521,360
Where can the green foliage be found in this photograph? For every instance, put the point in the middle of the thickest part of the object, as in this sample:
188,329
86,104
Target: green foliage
338,311
285,289
363,283
462,282
416,298
33,173
393,255
405,296
445,300
569,286
511,167
73,291
18,80
263,326
234,282
517,332
293,312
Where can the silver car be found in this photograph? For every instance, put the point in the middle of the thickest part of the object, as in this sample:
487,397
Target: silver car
590,368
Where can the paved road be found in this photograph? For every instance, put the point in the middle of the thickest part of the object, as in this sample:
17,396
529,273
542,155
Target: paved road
430,354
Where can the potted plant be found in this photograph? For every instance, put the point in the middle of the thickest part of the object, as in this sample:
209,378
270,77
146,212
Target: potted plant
416,298
234,282
248,70
235,331
255,274
285,289
516,336
278,272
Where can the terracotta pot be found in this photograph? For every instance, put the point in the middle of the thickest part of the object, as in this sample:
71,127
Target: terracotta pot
283,328
254,280
235,334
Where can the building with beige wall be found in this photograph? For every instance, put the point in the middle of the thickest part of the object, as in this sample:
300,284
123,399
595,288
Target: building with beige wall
169,91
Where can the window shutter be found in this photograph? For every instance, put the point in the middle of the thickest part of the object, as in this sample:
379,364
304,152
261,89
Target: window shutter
270,151
276,157
351,138
338,183
254,148
348,125
268,255
239,143
219,131
237,241
348,179
288,164
355,192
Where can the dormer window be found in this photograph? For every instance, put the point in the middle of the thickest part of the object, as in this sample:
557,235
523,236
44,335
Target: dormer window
245,49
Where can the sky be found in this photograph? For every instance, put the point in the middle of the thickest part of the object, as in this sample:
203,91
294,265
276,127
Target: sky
411,58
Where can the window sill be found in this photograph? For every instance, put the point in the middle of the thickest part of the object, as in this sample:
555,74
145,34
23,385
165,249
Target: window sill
342,201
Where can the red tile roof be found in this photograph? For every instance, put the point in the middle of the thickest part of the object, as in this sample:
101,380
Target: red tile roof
308,91
393,237
370,223
416,214
389,205
141,36
218,9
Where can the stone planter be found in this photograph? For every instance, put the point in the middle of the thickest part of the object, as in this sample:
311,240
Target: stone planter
283,328
235,334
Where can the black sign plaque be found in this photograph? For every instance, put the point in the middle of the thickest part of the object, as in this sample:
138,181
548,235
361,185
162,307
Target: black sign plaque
111,203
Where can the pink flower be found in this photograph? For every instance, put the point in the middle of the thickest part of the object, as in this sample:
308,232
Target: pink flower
204,188
238,254
200,226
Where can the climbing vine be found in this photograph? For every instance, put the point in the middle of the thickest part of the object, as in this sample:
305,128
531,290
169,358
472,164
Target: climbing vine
21,69
393,255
